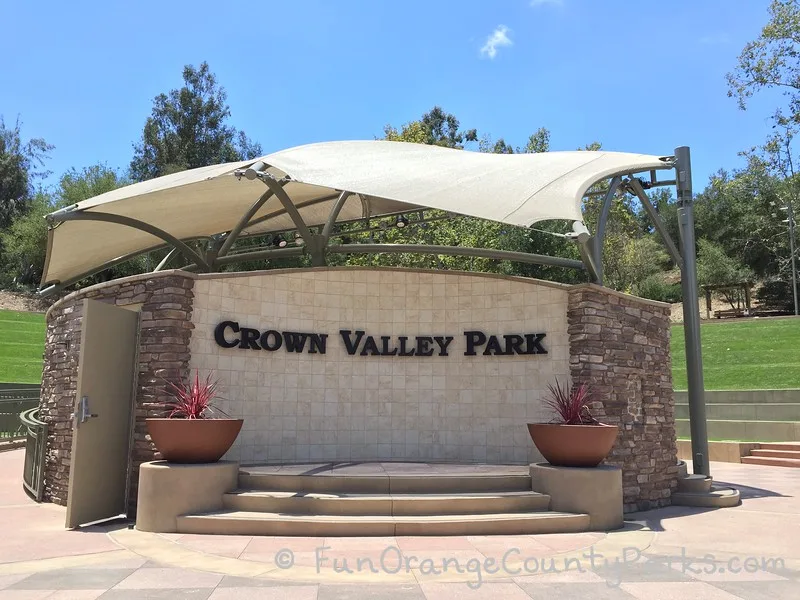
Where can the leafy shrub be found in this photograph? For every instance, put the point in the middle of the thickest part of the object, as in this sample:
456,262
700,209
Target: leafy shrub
776,294
655,288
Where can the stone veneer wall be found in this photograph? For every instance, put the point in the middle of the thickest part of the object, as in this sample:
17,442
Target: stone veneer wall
619,345
336,407
165,303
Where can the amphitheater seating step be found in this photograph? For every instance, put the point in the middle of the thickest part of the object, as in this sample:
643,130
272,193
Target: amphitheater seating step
790,446
776,453
771,461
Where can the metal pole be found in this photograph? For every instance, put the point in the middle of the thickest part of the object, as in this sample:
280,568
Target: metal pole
658,223
791,249
600,234
691,313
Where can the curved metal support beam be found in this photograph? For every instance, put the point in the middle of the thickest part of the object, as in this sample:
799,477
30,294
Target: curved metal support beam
58,285
366,206
314,244
261,255
337,208
165,260
290,208
600,234
233,235
281,212
658,223
524,257
170,239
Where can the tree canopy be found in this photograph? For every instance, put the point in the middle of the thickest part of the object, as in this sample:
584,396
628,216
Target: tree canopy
188,128
20,162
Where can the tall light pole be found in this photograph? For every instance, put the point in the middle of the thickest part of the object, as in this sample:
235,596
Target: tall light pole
790,213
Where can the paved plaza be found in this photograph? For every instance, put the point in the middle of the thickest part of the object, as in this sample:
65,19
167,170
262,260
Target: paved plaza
749,552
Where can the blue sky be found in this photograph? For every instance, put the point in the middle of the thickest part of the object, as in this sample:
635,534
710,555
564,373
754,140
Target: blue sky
637,76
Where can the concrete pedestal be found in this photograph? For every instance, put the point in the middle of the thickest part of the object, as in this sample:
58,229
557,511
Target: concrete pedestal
596,492
167,490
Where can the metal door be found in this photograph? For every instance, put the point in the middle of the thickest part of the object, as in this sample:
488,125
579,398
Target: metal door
101,428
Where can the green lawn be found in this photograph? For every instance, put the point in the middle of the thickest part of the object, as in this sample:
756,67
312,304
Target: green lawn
21,346
753,354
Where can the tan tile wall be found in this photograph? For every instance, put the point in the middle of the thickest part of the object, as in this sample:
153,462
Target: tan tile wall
306,407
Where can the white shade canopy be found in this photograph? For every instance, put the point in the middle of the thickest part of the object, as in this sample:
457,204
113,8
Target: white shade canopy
383,177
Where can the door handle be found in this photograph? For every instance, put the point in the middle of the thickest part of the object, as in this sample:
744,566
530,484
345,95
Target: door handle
83,410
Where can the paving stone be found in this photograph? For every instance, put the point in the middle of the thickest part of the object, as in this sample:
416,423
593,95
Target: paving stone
370,592
169,579
462,591
73,579
640,571
163,594
678,591
307,592
231,581
574,591
761,590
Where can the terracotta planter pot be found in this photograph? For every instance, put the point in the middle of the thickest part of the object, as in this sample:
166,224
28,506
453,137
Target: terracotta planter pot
573,445
193,440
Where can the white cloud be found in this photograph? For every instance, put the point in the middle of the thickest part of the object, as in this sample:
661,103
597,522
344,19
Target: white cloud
536,3
498,38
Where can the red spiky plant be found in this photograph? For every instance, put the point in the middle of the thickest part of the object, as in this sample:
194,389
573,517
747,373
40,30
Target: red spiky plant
193,399
571,404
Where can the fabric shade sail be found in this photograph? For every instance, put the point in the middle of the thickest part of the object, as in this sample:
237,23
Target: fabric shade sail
383,178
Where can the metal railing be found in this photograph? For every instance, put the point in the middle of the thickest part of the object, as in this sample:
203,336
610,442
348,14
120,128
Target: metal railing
14,401
35,443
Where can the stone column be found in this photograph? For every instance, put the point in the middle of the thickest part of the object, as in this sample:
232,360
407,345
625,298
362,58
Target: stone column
165,304
619,345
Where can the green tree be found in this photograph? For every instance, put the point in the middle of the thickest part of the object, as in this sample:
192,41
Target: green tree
443,129
415,132
25,241
772,61
188,128
19,164
715,267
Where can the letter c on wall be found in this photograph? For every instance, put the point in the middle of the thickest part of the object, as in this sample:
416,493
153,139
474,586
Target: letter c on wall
219,334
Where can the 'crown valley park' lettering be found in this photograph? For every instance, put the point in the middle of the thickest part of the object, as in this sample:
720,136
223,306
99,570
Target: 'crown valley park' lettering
228,334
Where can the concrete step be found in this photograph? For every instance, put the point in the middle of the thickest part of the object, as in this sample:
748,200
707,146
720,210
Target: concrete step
745,431
771,462
683,469
381,483
717,497
789,446
762,411
231,522
694,484
713,397
776,453
316,503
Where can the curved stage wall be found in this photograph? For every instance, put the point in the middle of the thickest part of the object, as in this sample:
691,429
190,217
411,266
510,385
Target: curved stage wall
344,364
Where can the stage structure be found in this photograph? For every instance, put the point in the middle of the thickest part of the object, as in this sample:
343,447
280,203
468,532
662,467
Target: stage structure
295,201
